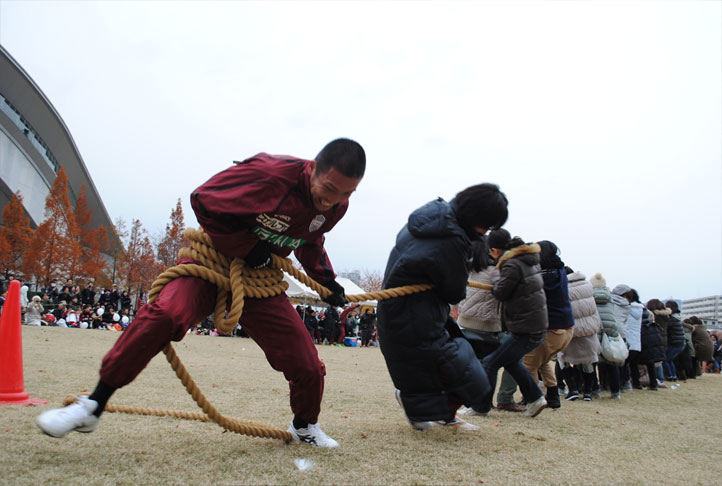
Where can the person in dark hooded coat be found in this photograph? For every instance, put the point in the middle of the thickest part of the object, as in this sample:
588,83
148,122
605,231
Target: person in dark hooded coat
432,366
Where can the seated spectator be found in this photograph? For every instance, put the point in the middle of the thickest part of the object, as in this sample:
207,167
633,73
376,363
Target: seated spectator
46,301
125,317
86,317
59,312
98,317
34,312
107,317
72,318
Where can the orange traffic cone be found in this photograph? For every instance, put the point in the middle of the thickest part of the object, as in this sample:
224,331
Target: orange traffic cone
12,388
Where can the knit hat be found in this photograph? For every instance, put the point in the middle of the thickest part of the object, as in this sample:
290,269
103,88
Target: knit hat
597,281
621,289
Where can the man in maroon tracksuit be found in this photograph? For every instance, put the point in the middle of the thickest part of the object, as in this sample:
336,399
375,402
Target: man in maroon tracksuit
265,204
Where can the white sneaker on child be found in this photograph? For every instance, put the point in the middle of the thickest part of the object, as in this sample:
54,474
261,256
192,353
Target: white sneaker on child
77,416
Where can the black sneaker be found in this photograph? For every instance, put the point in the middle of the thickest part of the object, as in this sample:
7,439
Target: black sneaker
571,396
587,397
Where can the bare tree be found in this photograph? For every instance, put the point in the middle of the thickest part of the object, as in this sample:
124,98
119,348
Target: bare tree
371,280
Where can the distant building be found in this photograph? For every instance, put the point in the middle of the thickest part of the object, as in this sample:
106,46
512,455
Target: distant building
709,309
354,276
34,144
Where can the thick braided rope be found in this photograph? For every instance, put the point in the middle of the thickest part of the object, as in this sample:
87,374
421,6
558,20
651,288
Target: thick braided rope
241,282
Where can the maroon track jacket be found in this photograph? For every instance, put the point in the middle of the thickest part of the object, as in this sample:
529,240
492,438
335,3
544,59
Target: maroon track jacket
267,197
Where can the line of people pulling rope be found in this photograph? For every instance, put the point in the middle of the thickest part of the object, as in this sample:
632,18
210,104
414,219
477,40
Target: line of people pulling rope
270,204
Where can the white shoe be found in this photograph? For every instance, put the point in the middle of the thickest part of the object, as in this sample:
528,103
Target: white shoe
415,425
460,424
312,434
77,416
534,408
470,412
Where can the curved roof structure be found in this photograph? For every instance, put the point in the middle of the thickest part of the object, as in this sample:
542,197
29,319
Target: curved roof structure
34,144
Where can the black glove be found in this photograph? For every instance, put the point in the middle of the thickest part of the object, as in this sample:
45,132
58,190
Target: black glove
337,297
259,256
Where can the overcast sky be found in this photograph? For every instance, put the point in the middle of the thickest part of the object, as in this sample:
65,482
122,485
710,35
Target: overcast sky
601,121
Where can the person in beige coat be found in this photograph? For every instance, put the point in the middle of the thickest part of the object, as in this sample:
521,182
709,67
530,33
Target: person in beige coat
584,348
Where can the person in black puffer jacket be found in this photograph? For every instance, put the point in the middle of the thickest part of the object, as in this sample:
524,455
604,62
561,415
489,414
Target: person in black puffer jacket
672,337
432,366
652,346
520,289
675,339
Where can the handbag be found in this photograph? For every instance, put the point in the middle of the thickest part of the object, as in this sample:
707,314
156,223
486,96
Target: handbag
614,349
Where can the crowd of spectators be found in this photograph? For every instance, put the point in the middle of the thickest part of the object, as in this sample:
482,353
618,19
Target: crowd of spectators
350,327
65,304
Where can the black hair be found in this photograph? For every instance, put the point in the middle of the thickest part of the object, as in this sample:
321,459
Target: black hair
481,206
632,296
514,242
670,304
549,256
499,239
480,258
344,155
654,304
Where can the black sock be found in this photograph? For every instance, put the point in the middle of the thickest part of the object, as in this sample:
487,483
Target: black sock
299,424
101,395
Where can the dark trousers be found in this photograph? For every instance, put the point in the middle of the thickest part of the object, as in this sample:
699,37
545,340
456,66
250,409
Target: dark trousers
609,374
272,323
670,370
508,355
685,366
366,337
634,362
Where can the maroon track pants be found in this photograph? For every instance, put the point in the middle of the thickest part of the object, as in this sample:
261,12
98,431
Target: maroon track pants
273,324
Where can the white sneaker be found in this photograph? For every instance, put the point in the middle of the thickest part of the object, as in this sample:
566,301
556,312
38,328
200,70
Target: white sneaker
415,425
534,408
460,424
470,412
77,416
312,434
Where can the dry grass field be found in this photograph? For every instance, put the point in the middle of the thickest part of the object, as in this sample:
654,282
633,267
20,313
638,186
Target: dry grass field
665,437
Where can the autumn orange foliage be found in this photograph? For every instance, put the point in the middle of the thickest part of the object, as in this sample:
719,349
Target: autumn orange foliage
15,236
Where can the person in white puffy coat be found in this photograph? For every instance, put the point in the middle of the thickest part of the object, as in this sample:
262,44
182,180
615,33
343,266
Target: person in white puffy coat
584,348
34,312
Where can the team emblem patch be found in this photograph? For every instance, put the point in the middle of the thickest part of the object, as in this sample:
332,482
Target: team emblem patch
317,223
